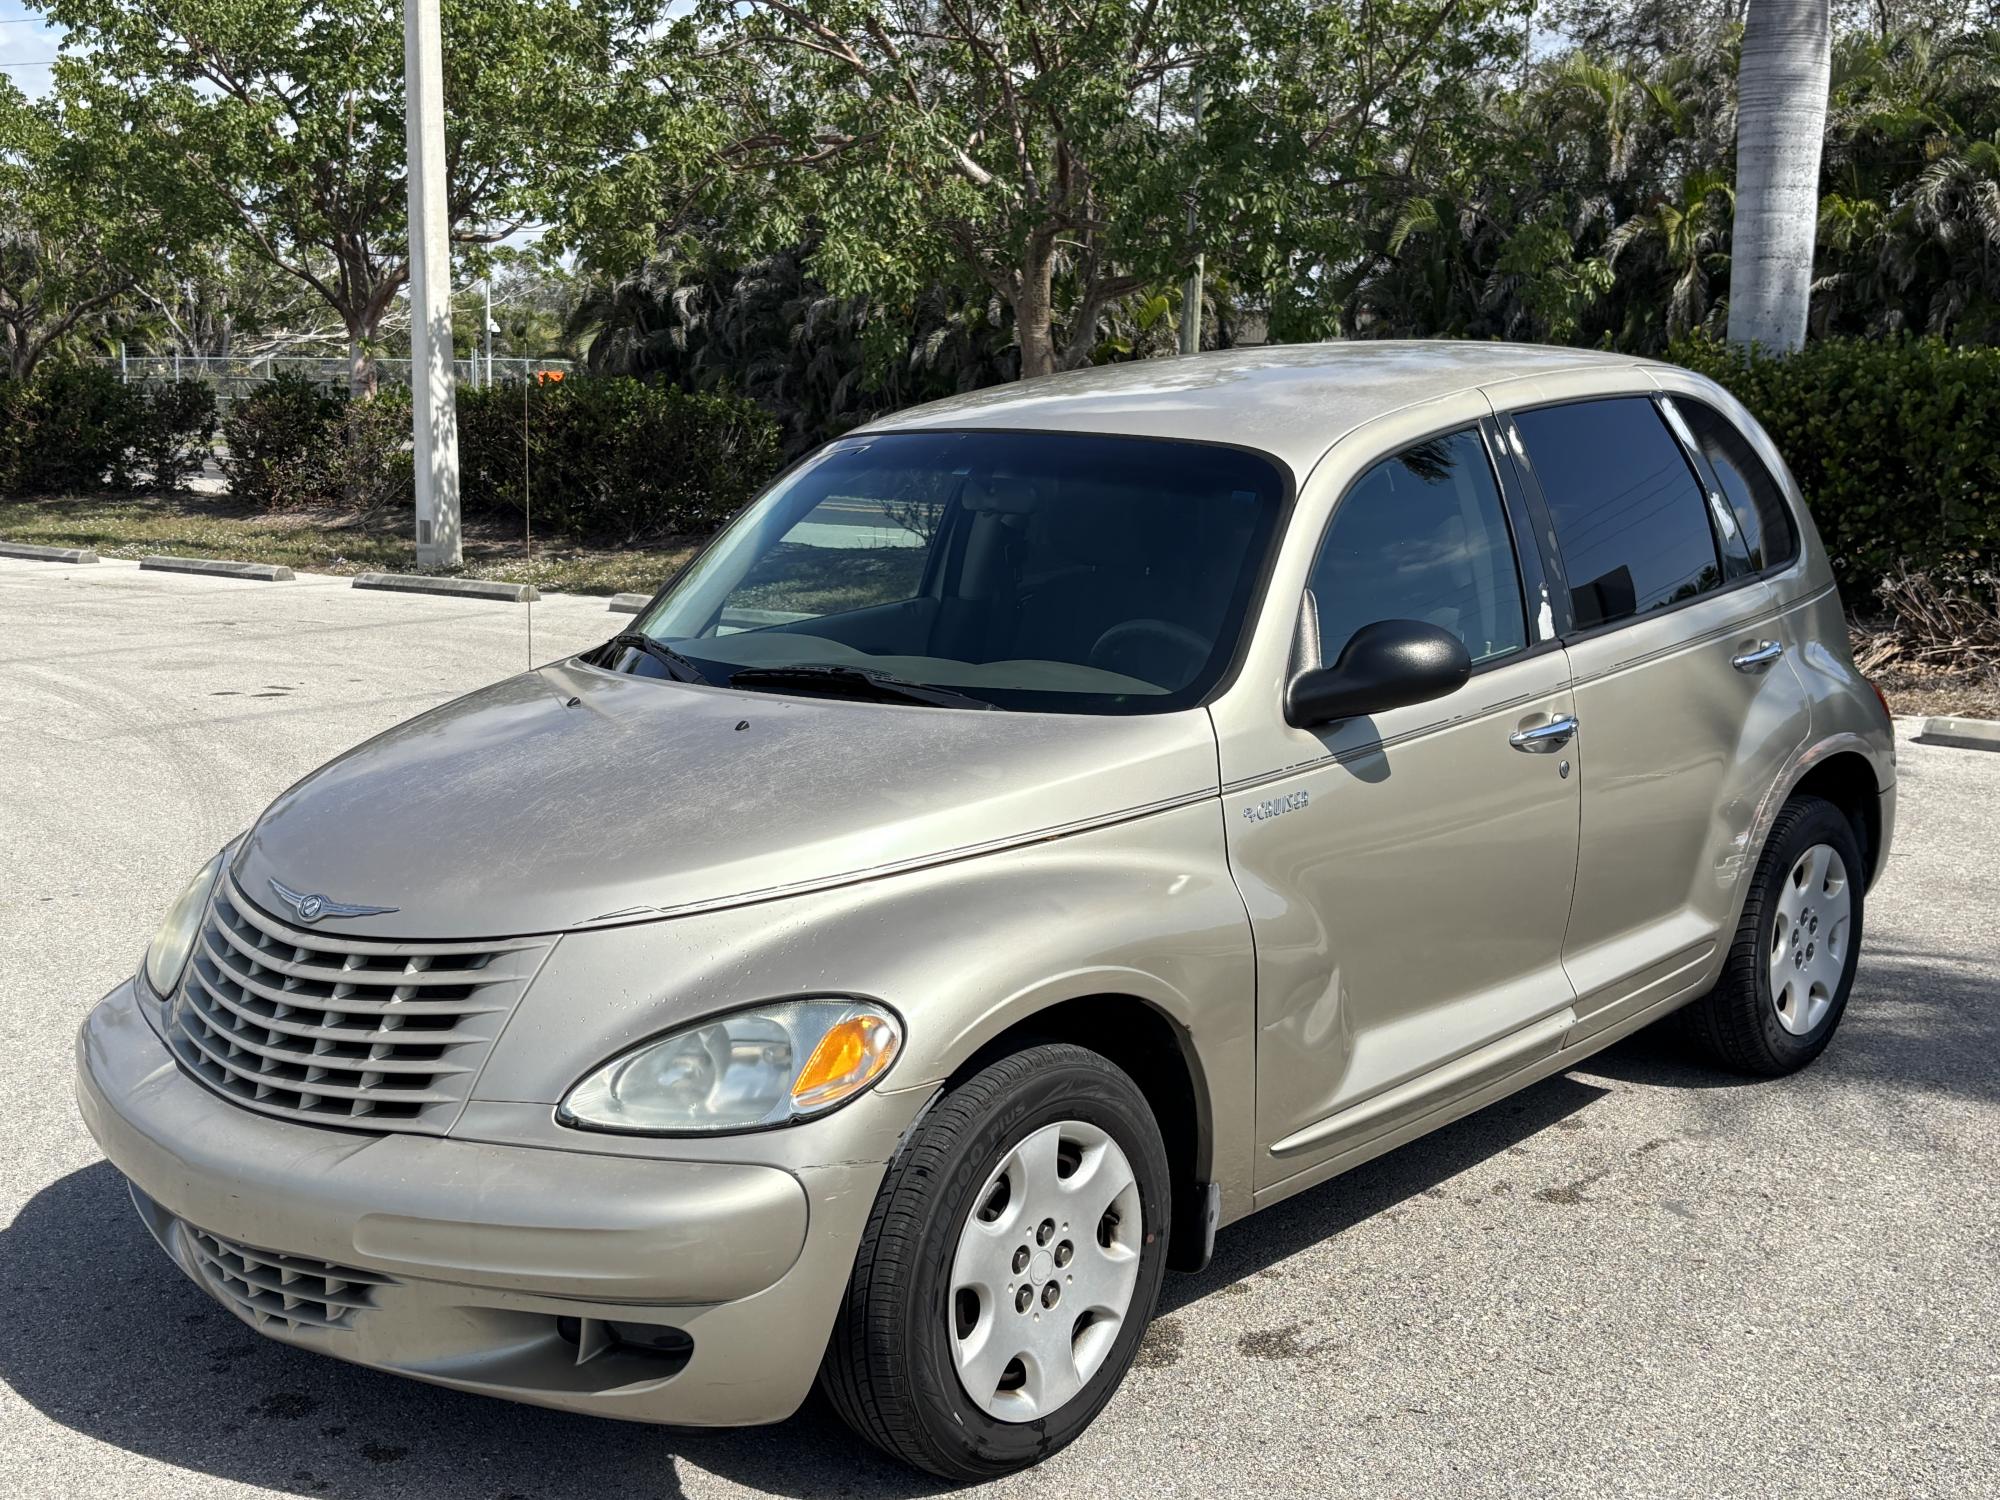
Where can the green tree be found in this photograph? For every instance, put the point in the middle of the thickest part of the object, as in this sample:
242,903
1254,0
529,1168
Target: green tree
284,119
1044,150
80,227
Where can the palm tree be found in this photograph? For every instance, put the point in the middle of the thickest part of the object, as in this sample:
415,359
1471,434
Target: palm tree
1687,233
1780,121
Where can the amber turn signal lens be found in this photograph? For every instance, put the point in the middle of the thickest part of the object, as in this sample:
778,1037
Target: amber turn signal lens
849,1057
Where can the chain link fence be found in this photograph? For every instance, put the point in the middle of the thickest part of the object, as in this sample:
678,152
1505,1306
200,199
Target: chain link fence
232,376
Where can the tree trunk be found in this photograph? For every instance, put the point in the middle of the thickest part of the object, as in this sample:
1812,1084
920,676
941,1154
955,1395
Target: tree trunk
361,373
1033,313
1780,122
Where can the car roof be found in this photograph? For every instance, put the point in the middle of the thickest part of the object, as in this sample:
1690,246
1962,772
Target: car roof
1293,401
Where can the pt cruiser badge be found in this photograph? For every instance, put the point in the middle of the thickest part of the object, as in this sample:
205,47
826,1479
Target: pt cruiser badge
1277,807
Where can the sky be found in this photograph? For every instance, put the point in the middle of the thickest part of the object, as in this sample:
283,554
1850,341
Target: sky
27,42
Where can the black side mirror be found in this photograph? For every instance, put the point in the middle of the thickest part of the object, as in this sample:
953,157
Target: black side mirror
1386,665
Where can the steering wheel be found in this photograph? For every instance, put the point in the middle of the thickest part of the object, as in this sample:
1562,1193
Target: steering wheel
1155,651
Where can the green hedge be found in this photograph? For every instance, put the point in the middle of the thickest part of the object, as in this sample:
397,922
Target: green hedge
610,458
1896,444
294,445
77,430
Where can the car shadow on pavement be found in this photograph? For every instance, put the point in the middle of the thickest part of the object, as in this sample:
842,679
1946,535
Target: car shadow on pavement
1928,1023
99,1332
1283,1230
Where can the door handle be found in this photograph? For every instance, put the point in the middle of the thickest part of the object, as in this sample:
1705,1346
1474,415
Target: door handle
1544,739
1755,661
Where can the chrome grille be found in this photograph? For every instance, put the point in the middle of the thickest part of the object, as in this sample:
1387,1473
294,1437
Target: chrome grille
349,1031
288,1289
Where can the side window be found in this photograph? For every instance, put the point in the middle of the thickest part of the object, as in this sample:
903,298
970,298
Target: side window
1630,518
1753,493
1422,536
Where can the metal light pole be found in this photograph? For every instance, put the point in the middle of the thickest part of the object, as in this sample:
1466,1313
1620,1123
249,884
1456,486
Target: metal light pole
488,329
433,404
1191,298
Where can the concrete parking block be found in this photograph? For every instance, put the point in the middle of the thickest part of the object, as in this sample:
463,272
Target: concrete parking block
463,588
1963,734
32,553
629,604
216,567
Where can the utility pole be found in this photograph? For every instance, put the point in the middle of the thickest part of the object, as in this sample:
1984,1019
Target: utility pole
1191,297
487,331
433,403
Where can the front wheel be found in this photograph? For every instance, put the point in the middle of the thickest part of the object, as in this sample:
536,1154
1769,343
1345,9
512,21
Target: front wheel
1791,965
1009,1268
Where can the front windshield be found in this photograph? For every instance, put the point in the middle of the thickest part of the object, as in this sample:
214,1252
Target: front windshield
1048,572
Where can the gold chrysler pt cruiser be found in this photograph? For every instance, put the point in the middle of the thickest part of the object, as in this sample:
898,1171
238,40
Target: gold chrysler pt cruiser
1045,827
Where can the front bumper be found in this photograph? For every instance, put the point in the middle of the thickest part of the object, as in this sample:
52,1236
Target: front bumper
663,1291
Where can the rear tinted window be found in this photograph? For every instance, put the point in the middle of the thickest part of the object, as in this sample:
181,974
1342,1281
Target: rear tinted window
1751,490
1630,520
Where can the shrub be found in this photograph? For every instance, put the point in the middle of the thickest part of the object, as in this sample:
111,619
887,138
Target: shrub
1896,444
368,463
612,458
177,427
277,437
294,446
71,429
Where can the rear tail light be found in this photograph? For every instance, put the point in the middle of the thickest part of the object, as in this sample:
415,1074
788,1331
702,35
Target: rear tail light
1876,688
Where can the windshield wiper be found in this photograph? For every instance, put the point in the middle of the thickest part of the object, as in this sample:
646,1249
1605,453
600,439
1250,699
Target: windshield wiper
854,681
678,666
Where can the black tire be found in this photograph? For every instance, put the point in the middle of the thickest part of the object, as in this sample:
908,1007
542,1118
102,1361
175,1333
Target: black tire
889,1370
1736,1023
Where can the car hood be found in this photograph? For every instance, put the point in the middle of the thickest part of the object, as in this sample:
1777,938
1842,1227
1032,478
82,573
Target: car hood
571,797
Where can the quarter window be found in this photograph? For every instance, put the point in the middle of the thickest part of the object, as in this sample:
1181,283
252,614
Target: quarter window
1630,519
1422,536
1753,494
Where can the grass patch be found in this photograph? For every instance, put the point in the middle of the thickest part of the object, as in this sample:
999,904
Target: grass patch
323,541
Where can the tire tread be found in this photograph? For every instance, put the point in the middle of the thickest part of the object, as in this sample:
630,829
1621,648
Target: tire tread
1728,1022
874,1397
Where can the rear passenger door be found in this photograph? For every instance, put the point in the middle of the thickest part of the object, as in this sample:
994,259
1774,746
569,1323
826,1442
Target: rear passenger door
1688,711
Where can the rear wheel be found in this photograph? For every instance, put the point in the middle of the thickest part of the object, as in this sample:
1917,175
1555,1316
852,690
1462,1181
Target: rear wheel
1009,1268
1791,965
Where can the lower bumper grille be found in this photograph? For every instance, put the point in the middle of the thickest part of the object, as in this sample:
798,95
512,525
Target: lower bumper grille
287,1289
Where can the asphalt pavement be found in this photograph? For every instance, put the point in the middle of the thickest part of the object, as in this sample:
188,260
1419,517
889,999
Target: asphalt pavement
1637,1278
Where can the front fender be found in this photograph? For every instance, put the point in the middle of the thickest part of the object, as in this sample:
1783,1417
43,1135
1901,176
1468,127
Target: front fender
962,951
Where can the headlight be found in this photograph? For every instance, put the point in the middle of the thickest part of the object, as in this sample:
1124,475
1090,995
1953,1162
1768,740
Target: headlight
770,1065
167,954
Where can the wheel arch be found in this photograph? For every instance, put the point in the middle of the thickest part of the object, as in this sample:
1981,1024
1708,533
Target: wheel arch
1160,1056
1847,779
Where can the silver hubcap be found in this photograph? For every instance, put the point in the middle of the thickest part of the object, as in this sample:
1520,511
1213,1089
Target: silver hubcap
1809,938
1042,1280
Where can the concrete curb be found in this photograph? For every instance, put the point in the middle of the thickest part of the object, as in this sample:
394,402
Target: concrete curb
32,553
629,604
217,568
1962,734
461,588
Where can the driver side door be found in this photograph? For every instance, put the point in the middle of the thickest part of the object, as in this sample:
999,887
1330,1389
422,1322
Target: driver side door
1409,874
